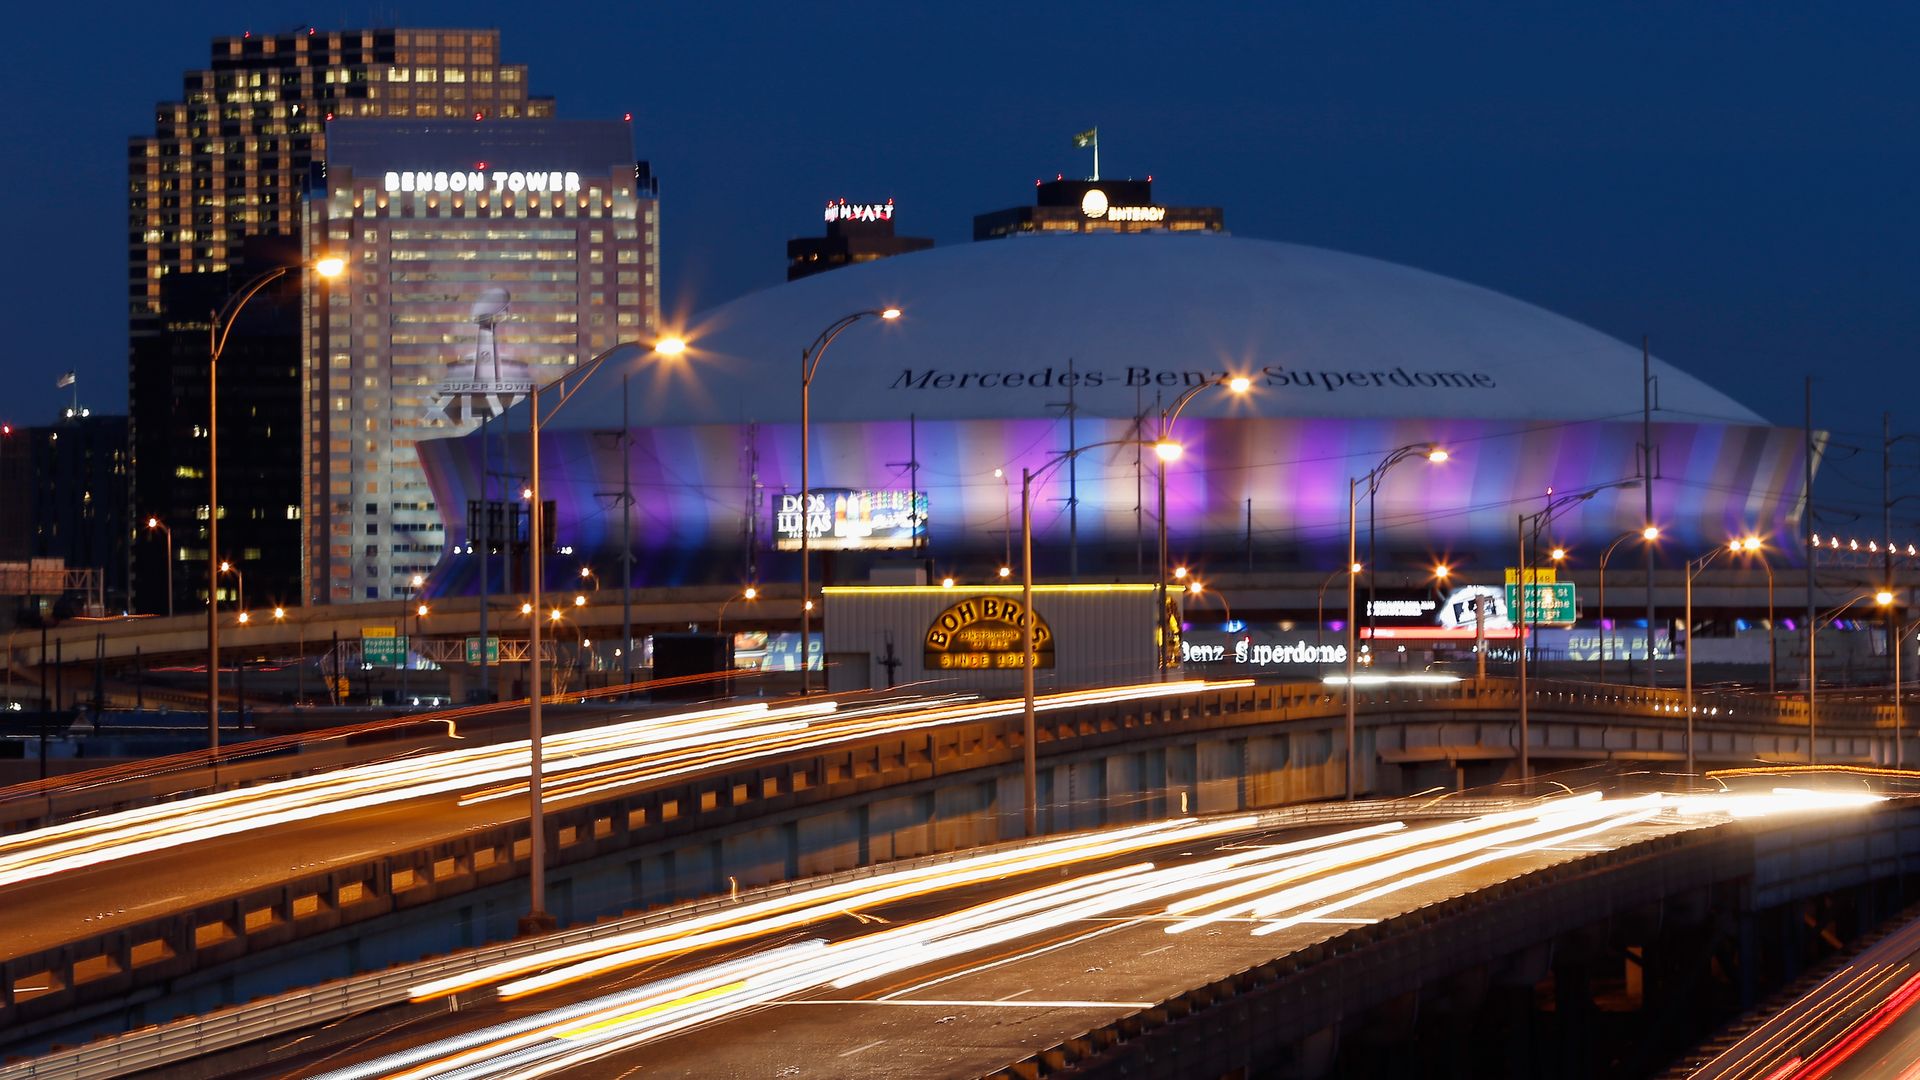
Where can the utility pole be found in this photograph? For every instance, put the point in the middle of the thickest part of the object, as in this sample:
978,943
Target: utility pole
1646,479
626,532
486,553
1806,548
1073,476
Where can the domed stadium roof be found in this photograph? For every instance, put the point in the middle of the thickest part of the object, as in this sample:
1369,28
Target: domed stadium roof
993,330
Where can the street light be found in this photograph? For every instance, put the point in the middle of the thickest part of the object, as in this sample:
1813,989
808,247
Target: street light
239,586
1899,693
1752,546
1030,769
299,669
1882,598
1749,545
1166,450
240,603
1648,534
1433,453
1197,589
810,358
1320,604
1529,542
748,594
566,386
155,523
406,649
218,329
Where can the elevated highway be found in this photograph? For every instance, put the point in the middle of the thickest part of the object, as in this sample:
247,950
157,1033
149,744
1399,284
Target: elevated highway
202,911
1176,948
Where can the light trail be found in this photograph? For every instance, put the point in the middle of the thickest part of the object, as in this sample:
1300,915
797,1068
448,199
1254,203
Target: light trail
580,764
1275,885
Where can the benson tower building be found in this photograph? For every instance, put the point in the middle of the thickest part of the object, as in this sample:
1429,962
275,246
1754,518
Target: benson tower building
226,163
482,260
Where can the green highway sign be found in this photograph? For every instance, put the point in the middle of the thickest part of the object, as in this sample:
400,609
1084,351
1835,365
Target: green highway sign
381,647
1547,605
493,650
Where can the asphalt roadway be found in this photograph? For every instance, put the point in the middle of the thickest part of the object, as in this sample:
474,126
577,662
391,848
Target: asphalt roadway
977,1009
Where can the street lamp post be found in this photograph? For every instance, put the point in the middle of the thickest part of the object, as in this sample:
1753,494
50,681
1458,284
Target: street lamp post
1649,534
537,920
720,623
1196,588
406,649
1751,546
1320,604
240,617
153,523
1899,691
299,669
1167,451
217,332
810,358
1694,567
1882,598
1372,479
1539,520
1235,384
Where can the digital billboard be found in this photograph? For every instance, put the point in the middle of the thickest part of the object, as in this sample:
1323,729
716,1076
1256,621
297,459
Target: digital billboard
845,519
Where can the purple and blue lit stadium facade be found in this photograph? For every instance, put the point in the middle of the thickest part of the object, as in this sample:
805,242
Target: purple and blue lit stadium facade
1010,352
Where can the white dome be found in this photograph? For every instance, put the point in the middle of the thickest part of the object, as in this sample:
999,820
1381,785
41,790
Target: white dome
990,328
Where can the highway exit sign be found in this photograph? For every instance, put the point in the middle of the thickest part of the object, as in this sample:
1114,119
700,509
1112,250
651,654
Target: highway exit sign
493,650
381,647
1547,605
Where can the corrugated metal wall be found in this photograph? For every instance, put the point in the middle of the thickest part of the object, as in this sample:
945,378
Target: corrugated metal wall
1102,634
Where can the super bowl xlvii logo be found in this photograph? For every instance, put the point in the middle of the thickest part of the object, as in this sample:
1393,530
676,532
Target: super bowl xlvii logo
489,384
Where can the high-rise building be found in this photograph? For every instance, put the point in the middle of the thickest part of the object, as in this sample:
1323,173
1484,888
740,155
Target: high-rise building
259,434
64,489
482,260
856,233
229,161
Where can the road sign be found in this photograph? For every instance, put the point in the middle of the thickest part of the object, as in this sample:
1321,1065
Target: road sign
1550,604
381,647
1539,575
493,650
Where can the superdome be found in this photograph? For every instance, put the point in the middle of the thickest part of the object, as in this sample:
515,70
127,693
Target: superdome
1010,352
989,330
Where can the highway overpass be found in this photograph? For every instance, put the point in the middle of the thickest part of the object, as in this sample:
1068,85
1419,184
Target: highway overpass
1291,942
203,913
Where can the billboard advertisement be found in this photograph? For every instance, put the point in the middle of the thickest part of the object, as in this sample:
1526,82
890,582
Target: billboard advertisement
1438,614
845,519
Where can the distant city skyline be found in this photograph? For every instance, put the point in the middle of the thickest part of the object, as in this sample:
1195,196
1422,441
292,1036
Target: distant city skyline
1722,183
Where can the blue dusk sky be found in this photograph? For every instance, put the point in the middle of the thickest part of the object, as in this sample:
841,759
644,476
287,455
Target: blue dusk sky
1736,183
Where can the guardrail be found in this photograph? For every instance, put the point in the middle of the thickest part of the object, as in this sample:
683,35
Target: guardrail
202,1036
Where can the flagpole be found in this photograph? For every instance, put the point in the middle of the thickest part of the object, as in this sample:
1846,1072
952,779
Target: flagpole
1096,153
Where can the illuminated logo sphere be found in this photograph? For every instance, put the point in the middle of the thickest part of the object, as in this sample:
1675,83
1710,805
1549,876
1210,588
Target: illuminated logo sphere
1094,203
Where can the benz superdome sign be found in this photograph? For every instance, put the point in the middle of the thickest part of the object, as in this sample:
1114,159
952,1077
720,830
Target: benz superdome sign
540,183
1094,205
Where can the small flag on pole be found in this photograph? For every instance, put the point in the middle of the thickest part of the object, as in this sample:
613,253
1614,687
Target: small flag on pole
65,381
1086,138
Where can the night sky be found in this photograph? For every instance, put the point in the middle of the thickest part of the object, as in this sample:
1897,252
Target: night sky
1739,186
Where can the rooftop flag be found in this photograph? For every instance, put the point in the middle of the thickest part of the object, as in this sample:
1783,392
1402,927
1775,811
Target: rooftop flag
1090,138
65,381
